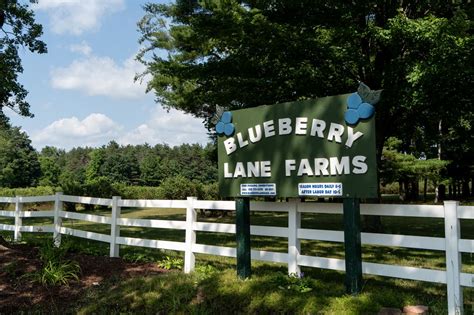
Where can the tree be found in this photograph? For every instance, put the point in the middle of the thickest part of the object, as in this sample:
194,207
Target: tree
149,170
19,166
408,170
240,54
50,171
18,29
52,162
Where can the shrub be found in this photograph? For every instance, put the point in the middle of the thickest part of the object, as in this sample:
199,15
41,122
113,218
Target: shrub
100,187
30,191
209,191
138,192
179,187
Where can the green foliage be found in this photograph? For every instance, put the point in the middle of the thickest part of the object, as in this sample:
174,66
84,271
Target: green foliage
57,273
49,252
169,294
222,293
138,192
50,171
266,52
171,263
402,167
293,282
209,191
56,269
97,158
18,31
70,185
19,166
178,187
31,191
100,187
205,271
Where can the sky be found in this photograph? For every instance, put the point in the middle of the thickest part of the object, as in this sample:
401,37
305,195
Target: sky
82,92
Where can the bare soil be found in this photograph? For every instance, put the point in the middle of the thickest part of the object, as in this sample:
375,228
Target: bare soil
19,294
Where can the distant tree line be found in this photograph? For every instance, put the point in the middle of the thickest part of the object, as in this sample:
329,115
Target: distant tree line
185,170
161,171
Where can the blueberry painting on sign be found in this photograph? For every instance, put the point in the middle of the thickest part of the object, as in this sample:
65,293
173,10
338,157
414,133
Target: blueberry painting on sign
223,122
360,104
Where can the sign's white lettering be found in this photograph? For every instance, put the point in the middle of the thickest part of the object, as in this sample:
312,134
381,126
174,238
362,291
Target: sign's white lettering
334,133
303,167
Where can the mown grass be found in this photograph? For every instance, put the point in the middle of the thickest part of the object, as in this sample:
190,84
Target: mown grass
222,292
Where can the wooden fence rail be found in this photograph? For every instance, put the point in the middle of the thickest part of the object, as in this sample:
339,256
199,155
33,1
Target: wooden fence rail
451,244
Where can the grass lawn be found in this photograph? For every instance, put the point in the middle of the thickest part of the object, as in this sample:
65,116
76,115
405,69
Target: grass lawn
215,289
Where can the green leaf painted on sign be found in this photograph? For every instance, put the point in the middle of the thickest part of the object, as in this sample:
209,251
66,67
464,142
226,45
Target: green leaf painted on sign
302,148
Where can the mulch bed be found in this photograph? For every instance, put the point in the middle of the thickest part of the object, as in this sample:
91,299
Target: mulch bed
20,294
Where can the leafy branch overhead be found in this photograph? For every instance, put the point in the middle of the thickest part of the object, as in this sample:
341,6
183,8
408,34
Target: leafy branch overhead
240,54
17,30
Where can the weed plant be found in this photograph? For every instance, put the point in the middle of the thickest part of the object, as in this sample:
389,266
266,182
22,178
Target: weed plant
56,269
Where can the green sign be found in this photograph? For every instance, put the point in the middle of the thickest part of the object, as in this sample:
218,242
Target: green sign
321,147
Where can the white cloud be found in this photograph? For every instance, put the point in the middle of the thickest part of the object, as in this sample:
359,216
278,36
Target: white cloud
101,76
77,16
173,128
82,48
94,130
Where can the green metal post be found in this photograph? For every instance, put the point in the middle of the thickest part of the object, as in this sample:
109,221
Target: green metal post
242,223
352,246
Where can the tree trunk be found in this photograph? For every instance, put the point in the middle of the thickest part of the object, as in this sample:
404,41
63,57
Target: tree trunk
465,189
401,191
373,224
425,188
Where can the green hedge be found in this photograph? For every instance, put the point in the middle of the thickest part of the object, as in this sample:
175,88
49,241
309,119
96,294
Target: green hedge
137,192
177,187
30,191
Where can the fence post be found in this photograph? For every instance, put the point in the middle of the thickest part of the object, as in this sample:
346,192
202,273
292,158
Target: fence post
352,245
18,220
294,244
191,218
58,207
114,227
453,258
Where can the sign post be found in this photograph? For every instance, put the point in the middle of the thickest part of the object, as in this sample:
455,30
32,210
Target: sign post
242,225
352,245
305,149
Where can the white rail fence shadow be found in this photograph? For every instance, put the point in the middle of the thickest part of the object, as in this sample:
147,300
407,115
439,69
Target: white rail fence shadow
451,244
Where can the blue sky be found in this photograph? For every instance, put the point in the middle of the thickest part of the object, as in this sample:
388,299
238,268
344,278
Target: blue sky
82,91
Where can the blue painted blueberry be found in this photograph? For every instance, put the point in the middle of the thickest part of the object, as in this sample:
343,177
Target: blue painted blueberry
220,127
225,125
354,100
226,117
351,116
365,110
229,129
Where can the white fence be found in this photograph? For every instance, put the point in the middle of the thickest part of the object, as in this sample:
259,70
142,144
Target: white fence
451,212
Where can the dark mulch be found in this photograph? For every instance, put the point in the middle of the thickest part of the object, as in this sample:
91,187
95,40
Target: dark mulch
20,294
